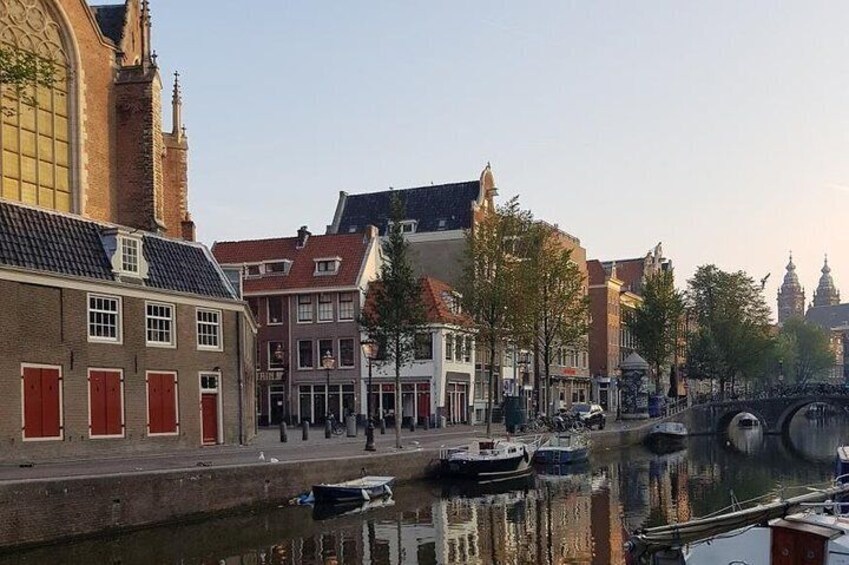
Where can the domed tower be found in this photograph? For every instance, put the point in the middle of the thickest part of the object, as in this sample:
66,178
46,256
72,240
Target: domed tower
791,295
826,293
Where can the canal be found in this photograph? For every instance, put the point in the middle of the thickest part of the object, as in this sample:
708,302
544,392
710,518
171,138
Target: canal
580,516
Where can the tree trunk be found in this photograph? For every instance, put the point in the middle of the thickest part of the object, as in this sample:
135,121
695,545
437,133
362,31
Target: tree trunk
397,394
491,386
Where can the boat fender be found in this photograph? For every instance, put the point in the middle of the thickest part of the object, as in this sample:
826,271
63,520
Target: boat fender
365,494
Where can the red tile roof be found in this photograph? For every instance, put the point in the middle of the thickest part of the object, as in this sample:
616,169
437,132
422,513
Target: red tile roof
351,248
434,294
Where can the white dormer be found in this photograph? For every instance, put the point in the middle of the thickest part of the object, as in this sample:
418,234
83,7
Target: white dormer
453,301
125,252
277,267
407,226
327,266
253,270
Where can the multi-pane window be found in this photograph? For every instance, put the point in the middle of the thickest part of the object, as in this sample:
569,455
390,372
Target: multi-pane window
325,347
252,271
346,352
159,323
424,346
304,308
104,318
130,255
35,132
325,307
449,347
276,355
275,310
277,268
458,347
305,354
467,354
346,306
209,329
326,266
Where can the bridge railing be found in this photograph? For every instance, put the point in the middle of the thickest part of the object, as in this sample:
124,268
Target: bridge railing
774,391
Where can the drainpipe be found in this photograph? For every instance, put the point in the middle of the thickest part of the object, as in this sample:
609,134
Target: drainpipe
239,378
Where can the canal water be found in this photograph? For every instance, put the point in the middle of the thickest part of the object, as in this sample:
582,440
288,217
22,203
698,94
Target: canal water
581,515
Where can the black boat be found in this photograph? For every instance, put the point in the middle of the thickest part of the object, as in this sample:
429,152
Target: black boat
366,488
488,460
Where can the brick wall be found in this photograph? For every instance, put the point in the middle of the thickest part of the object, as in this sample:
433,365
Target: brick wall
45,325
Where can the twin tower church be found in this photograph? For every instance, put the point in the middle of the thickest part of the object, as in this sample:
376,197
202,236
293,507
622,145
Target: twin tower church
825,304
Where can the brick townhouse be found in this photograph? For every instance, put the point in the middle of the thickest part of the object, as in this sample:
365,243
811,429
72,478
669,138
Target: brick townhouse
439,381
306,293
116,340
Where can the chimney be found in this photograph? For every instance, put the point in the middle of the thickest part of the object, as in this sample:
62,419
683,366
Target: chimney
303,236
371,233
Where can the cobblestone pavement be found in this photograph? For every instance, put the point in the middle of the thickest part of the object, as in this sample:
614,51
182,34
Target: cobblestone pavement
268,445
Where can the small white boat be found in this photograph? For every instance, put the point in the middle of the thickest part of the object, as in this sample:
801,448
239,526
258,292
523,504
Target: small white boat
563,448
667,434
810,529
748,422
364,489
489,460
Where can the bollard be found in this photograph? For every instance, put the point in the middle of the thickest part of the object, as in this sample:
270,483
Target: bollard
327,428
370,436
427,423
382,426
284,436
413,424
305,427
351,426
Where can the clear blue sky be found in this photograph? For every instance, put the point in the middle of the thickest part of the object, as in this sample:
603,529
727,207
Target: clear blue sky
718,128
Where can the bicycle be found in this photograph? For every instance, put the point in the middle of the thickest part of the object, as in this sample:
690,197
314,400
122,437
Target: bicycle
336,427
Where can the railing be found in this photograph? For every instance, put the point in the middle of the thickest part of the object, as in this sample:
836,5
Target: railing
775,391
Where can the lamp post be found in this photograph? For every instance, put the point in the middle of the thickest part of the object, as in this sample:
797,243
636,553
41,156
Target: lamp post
328,362
370,351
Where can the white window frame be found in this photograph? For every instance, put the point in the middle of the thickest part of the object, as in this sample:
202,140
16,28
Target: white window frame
119,321
266,270
339,307
318,310
123,433
268,309
335,261
61,436
259,267
353,354
219,405
220,333
298,310
124,243
270,356
312,347
176,431
173,320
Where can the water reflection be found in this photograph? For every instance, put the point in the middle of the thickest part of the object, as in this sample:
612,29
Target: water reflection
565,515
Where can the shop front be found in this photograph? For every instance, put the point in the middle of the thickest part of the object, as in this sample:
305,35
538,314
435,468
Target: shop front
415,402
272,402
315,400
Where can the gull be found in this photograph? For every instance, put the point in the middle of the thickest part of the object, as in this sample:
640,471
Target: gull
274,460
261,456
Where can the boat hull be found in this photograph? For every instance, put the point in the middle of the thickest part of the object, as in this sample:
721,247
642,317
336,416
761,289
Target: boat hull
340,493
561,456
487,469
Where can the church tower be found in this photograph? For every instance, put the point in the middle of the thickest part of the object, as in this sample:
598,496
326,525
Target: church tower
791,295
826,293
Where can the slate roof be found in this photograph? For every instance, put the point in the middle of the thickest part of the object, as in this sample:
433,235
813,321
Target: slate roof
829,317
110,18
351,248
40,240
426,204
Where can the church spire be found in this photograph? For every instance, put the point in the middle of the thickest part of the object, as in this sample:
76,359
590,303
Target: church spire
826,293
177,109
147,57
791,295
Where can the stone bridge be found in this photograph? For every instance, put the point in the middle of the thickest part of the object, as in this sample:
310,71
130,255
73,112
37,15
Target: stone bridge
774,413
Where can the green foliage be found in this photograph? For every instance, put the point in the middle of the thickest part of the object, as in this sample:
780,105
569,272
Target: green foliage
733,336
396,313
655,322
551,308
22,72
804,351
489,284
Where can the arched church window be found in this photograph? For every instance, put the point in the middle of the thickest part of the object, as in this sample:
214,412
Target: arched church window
35,134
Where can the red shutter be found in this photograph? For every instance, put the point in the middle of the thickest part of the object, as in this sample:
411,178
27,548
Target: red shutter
97,388
154,403
112,394
162,409
169,409
50,424
32,402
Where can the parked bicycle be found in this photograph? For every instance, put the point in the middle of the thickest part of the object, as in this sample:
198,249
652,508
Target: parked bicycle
336,427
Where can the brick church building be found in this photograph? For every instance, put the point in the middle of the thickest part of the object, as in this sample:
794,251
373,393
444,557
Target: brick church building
118,332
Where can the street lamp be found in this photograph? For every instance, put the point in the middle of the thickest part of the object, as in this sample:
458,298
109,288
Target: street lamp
370,351
328,362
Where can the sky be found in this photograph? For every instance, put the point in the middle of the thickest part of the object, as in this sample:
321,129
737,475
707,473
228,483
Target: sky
718,128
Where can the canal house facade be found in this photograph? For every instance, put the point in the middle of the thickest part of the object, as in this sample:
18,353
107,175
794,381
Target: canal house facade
116,340
306,293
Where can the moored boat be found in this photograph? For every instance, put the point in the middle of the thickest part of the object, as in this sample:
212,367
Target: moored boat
488,460
748,421
563,448
667,434
363,489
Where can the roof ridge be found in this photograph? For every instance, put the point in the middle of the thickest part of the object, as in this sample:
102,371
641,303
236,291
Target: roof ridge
410,188
288,238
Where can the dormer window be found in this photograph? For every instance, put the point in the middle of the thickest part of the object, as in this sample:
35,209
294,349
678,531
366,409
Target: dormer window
125,252
452,302
277,267
352,229
253,270
327,266
442,224
130,247
407,226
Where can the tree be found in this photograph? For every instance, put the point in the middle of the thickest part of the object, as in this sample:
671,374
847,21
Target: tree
395,312
489,282
22,71
733,336
552,309
804,351
654,323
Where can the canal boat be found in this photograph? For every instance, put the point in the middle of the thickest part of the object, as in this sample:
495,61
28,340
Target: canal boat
811,529
748,421
563,448
667,435
489,460
363,489
328,511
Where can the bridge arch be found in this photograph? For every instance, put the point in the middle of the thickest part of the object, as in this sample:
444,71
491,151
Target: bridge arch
731,412
782,425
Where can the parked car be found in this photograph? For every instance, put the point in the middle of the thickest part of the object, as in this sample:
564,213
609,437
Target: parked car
591,415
